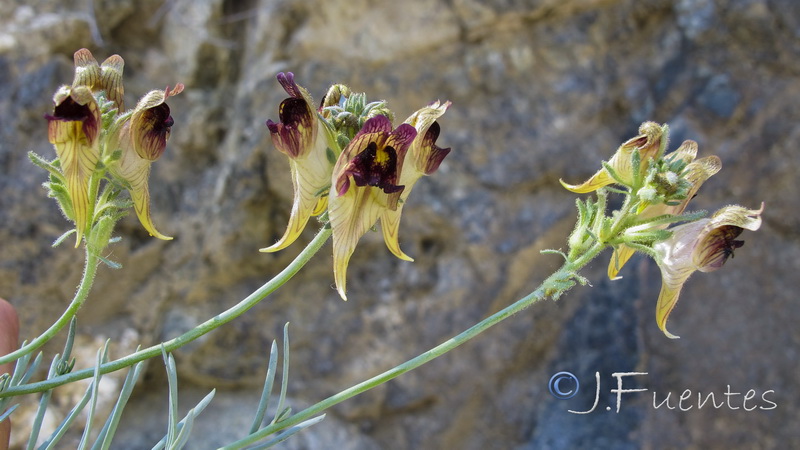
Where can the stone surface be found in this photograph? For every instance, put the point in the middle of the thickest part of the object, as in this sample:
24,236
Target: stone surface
541,90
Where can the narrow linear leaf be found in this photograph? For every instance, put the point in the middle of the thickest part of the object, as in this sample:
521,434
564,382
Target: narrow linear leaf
43,402
8,412
613,173
110,428
73,325
289,432
46,165
283,414
184,431
23,372
102,356
197,410
172,380
63,237
267,391
112,264
68,420
285,373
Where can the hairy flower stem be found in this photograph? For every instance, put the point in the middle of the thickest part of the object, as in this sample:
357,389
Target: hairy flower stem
89,272
554,285
205,327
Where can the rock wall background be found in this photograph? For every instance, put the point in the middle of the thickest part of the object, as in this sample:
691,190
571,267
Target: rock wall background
541,90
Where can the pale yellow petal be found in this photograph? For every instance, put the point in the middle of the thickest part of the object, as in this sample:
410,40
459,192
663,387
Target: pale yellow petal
390,227
78,166
311,174
667,299
87,71
351,215
111,80
303,205
598,180
739,216
140,194
686,152
620,256
135,173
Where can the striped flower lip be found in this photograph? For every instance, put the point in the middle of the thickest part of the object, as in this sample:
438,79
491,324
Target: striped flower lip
74,129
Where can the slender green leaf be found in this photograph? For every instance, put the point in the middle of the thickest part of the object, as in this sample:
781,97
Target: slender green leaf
46,165
22,372
8,412
267,391
66,363
110,428
197,410
42,409
289,432
63,237
285,373
172,379
613,173
102,356
184,431
111,264
68,420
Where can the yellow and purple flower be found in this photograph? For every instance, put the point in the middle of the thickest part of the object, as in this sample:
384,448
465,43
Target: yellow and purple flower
365,185
369,180
142,139
423,158
302,137
702,245
650,143
696,172
74,129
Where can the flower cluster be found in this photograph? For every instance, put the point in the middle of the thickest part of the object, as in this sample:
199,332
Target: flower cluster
658,189
95,138
347,159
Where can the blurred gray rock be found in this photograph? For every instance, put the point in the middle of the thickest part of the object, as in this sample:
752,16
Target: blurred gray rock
541,90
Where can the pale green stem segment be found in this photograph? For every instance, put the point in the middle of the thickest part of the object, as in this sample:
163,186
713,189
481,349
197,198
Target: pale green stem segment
205,327
554,284
83,291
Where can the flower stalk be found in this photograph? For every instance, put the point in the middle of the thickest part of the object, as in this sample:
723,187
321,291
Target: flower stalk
552,287
85,286
171,345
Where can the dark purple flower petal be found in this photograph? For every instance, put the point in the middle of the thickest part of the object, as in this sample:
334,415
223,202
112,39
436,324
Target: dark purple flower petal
294,134
71,111
152,131
375,167
436,154
287,81
718,246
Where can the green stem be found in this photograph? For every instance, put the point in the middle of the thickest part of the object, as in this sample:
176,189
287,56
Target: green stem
553,284
626,212
207,326
90,270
